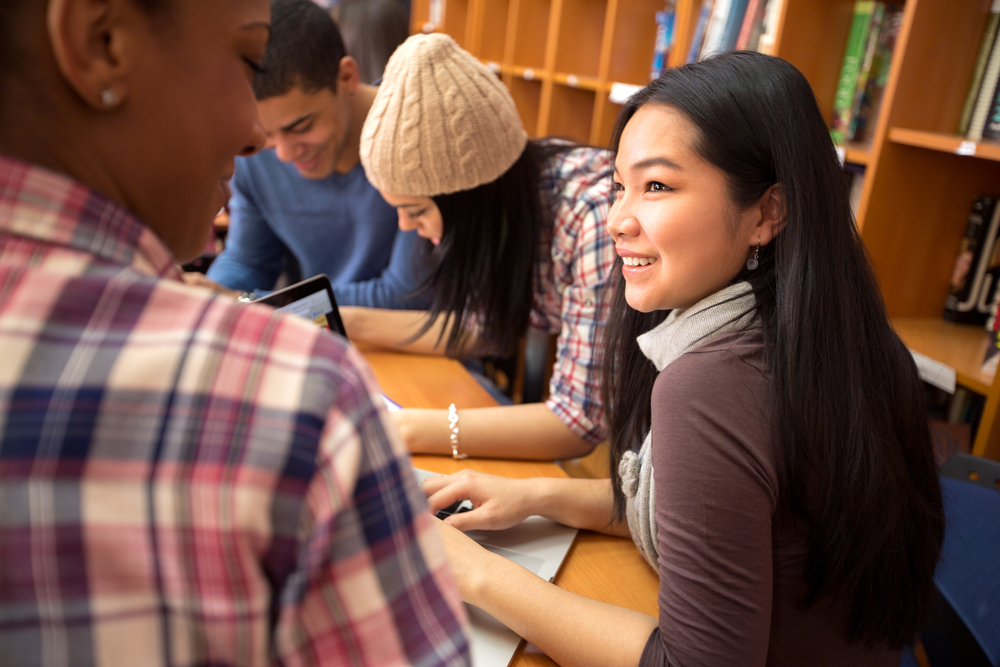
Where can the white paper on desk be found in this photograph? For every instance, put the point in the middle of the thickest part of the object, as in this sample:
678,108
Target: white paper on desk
538,544
391,405
935,373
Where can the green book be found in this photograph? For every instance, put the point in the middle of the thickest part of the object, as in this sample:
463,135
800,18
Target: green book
977,74
857,40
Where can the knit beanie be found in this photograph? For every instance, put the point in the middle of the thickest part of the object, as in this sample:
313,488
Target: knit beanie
441,122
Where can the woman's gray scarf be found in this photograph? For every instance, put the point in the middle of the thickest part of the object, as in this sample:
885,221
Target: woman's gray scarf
724,312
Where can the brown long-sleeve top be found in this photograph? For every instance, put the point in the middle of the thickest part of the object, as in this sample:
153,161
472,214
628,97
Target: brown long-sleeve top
731,564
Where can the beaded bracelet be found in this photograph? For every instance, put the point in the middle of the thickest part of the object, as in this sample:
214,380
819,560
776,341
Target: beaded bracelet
453,427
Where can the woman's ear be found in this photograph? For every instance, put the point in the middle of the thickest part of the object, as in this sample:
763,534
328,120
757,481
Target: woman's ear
88,40
773,209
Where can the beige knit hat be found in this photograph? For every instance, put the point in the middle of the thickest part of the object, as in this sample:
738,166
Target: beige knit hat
441,122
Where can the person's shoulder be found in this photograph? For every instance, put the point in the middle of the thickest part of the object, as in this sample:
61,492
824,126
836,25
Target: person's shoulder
580,164
728,365
245,330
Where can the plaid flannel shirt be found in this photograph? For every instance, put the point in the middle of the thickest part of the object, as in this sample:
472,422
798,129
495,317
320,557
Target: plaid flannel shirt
188,481
574,287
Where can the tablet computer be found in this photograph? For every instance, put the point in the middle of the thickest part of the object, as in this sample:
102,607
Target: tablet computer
312,299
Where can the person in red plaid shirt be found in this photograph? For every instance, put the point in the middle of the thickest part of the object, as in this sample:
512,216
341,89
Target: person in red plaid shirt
184,480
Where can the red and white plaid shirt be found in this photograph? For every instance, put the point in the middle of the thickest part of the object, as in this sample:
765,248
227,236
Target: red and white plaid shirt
573,293
188,481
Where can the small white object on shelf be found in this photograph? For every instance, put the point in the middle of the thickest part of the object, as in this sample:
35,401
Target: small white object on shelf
935,373
966,148
620,92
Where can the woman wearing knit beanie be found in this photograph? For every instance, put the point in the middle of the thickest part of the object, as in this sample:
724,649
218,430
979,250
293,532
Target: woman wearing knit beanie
515,235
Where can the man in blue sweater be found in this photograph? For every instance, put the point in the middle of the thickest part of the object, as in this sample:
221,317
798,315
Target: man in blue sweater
308,197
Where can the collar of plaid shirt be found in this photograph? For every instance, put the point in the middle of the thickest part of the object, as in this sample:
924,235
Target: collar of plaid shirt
43,205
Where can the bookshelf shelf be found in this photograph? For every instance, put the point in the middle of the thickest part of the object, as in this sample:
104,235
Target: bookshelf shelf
857,153
576,81
945,143
959,346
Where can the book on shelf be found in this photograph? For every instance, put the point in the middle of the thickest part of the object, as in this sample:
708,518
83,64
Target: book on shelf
699,30
714,31
966,303
985,48
987,93
664,38
753,17
875,73
731,32
847,82
769,29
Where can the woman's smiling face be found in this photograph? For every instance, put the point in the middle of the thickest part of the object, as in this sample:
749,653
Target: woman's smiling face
678,233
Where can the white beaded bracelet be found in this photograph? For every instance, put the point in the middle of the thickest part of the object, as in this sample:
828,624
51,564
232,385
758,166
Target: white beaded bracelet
453,427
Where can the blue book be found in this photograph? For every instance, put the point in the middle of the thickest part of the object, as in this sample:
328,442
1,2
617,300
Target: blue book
699,31
733,24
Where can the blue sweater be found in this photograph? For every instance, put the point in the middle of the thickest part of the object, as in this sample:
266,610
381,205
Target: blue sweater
339,226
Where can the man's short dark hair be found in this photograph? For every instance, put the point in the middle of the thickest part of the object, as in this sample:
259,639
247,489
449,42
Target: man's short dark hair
305,50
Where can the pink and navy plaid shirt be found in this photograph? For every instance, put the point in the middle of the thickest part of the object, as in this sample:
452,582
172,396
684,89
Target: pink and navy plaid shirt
574,286
188,481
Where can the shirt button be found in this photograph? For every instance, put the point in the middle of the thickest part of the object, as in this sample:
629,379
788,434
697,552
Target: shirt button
589,303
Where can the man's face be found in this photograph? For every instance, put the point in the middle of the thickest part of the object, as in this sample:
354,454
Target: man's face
310,130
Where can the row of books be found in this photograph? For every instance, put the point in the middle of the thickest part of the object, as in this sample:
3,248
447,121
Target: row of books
974,289
980,117
865,69
723,25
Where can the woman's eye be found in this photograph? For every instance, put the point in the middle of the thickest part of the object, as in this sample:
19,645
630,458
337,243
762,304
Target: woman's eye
617,187
659,187
417,214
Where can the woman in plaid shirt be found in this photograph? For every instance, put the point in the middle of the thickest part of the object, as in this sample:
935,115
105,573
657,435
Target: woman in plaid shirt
515,236
183,480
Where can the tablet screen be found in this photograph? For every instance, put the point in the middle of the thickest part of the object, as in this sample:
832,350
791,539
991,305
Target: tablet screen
312,299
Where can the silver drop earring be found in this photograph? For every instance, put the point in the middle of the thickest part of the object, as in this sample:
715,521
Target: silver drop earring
752,263
109,97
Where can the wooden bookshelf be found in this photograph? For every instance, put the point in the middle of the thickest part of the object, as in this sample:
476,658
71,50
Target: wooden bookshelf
560,58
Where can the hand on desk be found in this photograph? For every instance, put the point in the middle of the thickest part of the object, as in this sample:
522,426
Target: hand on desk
498,502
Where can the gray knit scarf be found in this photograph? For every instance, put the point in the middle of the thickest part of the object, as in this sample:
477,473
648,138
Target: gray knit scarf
683,330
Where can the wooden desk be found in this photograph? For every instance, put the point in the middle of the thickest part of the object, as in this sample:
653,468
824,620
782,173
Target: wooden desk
598,566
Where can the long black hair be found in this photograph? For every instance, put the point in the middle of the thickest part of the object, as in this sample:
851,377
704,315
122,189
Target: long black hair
484,267
855,455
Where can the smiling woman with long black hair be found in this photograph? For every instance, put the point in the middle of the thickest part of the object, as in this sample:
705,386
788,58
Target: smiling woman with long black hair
771,456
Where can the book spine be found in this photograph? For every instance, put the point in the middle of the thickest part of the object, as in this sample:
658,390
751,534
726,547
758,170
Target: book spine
733,22
984,100
699,30
972,262
843,101
985,47
991,130
865,69
769,29
881,66
751,16
716,28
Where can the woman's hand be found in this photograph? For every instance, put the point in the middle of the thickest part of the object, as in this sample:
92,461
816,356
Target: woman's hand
498,502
